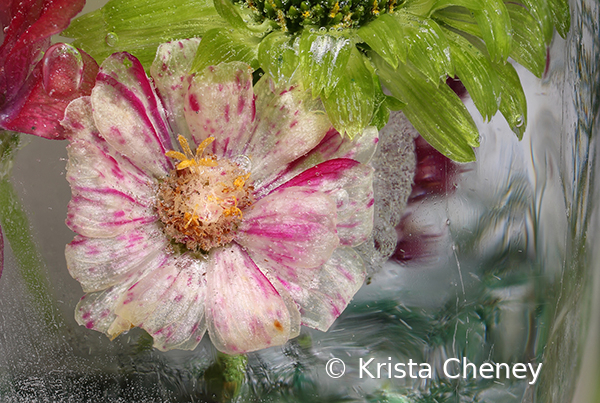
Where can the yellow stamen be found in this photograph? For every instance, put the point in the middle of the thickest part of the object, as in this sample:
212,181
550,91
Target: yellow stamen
375,9
184,146
334,10
205,143
187,158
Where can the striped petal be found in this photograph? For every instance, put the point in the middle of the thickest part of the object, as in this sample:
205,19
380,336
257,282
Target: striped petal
244,311
294,226
106,212
323,294
170,74
220,103
169,303
99,263
130,116
333,145
350,184
93,163
96,310
289,123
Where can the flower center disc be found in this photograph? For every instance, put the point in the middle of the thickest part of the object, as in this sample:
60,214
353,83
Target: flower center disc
293,15
201,202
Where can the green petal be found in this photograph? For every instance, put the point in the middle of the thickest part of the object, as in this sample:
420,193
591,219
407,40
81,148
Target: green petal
513,103
323,57
350,104
277,56
541,12
428,48
236,17
529,49
382,36
139,26
561,16
434,110
494,22
476,72
230,13
223,45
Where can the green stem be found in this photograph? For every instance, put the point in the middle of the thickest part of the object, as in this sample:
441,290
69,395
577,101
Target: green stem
225,376
15,225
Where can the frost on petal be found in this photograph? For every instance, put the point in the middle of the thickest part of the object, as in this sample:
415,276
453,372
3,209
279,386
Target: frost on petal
106,212
350,184
170,74
293,226
289,123
323,293
99,263
93,163
129,114
220,103
244,311
169,303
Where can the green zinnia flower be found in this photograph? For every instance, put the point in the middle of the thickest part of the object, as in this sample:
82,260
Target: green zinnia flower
345,51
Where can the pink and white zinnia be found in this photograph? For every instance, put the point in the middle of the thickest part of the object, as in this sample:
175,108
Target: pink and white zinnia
287,257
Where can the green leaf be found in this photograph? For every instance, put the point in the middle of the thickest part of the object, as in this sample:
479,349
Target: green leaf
529,48
458,18
385,36
223,45
426,7
540,10
428,48
434,110
476,72
277,56
513,103
561,16
494,22
350,105
323,57
139,26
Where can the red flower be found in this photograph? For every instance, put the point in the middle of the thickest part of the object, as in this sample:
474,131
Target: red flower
37,81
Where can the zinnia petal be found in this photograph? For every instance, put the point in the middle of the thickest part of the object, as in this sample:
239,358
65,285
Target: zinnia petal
170,74
99,263
106,212
169,303
350,184
289,123
323,294
244,311
93,163
129,114
293,226
220,103
333,146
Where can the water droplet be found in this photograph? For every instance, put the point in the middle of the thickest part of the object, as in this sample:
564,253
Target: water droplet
520,120
111,39
62,70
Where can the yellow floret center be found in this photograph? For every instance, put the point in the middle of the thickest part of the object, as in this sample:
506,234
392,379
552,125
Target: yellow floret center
200,202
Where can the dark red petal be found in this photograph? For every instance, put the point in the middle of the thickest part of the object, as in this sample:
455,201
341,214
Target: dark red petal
31,23
61,76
